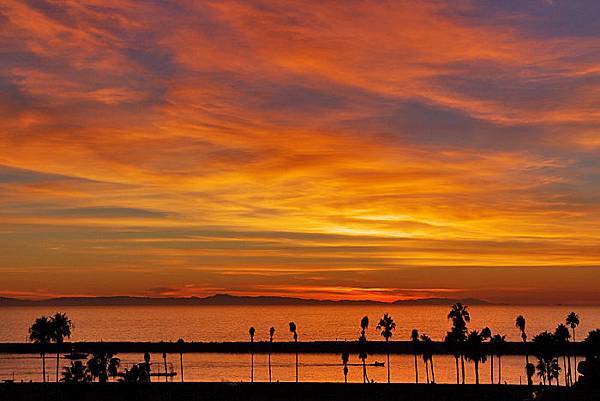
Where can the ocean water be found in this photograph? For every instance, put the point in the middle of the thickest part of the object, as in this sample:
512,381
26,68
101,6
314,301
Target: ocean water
231,323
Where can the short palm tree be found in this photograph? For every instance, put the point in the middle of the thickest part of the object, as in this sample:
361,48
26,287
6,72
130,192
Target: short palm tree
40,333
61,328
572,321
180,343
530,371
103,364
76,373
271,335
474,351
345,358
362,341
386,327
498,348
251,332
428,357
414,337
544,347
294,331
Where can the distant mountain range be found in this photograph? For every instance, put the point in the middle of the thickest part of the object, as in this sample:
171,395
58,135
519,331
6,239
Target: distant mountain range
220,300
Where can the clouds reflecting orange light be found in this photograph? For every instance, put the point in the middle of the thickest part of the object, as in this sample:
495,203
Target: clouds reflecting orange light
334,150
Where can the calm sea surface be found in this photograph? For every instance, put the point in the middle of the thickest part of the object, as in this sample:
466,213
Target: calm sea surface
231,323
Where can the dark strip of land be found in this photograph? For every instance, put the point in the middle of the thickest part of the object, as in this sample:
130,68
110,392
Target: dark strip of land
312,347
284,392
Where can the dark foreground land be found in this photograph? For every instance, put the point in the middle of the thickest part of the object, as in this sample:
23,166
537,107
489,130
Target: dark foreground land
283,392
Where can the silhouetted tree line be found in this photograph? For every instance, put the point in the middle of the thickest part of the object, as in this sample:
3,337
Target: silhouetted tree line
550,349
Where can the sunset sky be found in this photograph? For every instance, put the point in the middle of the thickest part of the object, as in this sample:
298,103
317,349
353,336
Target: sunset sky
327,149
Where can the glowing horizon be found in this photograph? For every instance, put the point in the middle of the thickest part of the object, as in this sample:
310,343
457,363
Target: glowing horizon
349,150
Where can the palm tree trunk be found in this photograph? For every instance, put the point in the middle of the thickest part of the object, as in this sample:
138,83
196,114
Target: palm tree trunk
269,366
575,359
432,370
252,368
57,362
43,367
181,365
499,369
427,371
388,366
165,362
457,378
564,358
462,367
570,374
364,363
296,366
416,369
476,372
492,369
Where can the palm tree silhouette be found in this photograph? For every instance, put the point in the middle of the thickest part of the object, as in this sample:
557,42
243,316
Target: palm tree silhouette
251,331
294,331
530,371
460,316
572,321
180,343
414,337
61,327
76,373
520,324
561,336
545,351
146,368
362,341
164,355
387,326
40,333
474,351
271,335
103,364
453,345
498,347
428,357
345,358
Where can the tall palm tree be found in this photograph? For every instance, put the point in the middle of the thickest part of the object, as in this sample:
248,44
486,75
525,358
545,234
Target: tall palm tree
103,364
345,358
414,337
252,331
362,341
428,357
561,336
294,331
452,343
520,324
40,333
498,347
474,351
486,334
180,343
460,316
271,335
572,321
61,328
387,326
164,355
